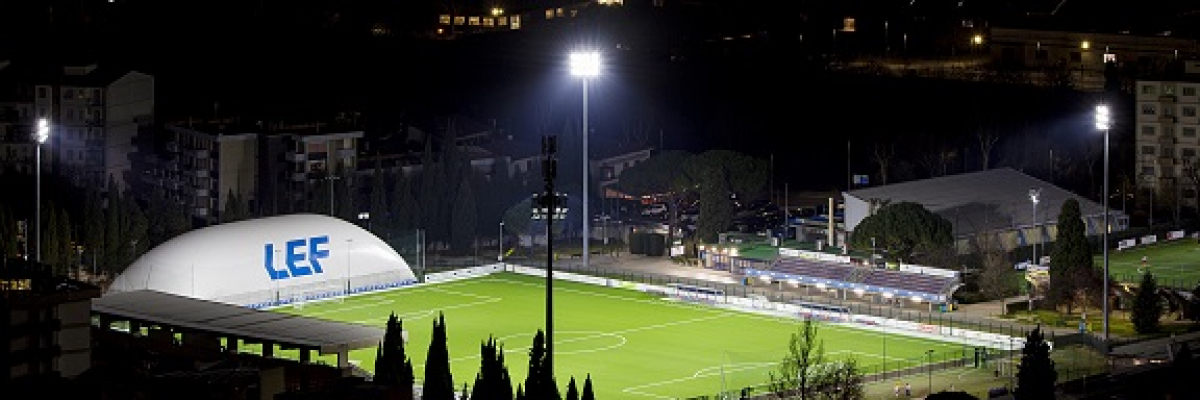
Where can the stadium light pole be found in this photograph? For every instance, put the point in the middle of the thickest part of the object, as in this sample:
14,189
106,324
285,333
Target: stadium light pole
500,244
585,65
1103,122
43,133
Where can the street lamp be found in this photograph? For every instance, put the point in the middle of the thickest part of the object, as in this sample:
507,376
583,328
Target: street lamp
1034,197
1103,123
43,133
500,243
585,65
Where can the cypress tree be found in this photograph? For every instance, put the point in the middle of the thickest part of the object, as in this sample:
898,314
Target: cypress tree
1036,375
587,389
572,391
65,242
539,382
464,219
492,381
439,383
392,365
1071,260
1147,306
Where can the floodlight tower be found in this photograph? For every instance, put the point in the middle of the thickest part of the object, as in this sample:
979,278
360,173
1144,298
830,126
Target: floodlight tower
585,65
43,133
1103,122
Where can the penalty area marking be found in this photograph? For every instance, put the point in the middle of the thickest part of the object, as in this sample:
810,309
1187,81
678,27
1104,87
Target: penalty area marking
701,374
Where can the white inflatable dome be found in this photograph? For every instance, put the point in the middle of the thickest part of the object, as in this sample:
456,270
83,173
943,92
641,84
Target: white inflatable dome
268,261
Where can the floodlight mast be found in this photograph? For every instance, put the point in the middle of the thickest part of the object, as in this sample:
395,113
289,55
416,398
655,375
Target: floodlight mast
585,65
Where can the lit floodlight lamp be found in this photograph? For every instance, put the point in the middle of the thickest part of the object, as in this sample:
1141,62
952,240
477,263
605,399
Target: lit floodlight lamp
497,11
765,278
821,286
1103,120
793,282
888,295
585,64
733,252
916,299
1035,195
859,291
43,130
978,39
1085,45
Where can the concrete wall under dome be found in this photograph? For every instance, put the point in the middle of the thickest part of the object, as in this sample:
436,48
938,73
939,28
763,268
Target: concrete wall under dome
268,261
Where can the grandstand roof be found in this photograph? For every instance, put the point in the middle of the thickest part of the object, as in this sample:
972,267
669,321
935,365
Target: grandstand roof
210,316
983,201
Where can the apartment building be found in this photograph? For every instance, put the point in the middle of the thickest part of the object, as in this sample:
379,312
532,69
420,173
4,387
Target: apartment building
1167,144
95,114
205,164
1085,56
273,168
45,323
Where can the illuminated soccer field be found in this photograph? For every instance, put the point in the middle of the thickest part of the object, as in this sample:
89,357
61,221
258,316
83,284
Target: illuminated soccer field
1173,263
635,345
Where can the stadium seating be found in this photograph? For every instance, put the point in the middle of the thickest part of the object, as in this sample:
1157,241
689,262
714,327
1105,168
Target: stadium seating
813,268
914,282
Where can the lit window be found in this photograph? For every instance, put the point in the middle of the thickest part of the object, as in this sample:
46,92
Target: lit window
558,12
502,21
444,19
514,22
489,21
460,20
550,13
1110,58
473,21
848,24
1168,90
1085,45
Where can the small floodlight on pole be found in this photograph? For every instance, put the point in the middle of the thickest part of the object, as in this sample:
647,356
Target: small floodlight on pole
43,133
1103,122
365,216
1034,197
585,65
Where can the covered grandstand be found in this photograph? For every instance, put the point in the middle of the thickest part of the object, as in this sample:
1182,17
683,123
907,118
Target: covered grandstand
918,284
993,201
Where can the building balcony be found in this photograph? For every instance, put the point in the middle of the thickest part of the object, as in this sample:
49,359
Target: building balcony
297,157
299,177
1166,98
202,173
201,154
1166,119
202,192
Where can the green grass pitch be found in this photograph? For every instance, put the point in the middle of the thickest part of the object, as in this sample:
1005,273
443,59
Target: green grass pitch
634,345
1174,263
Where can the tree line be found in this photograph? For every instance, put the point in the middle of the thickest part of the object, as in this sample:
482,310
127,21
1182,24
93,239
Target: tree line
393,369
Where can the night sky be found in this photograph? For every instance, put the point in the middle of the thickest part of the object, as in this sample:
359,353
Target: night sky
270,59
